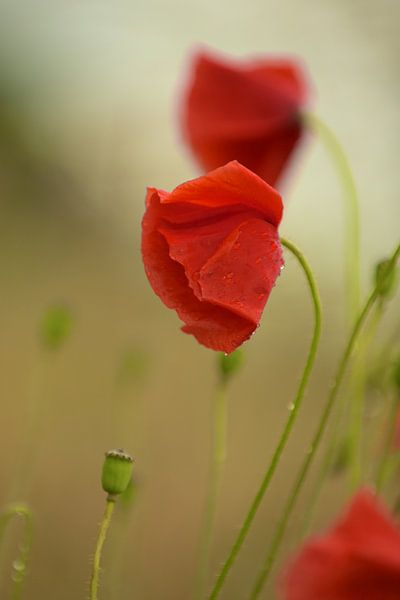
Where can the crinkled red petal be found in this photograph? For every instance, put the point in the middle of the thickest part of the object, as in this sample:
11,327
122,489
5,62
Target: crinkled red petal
213,326
230,185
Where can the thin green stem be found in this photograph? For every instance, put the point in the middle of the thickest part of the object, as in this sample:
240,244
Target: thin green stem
355,435
218,461
352,262
294,409
287,511
119,541
104,525
343,169
328,460
20,564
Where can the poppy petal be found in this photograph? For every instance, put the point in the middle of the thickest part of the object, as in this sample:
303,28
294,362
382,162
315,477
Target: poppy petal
229,185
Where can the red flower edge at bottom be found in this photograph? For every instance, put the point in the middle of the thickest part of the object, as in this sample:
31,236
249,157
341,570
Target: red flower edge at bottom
359,559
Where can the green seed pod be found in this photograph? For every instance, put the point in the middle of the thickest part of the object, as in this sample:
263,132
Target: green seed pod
117,472
55,327
229,364
385,278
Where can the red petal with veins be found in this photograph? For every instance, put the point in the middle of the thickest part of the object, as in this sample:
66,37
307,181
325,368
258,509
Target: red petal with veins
215,263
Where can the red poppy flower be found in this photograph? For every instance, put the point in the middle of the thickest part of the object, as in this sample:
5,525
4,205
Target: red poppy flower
248,112
211,251
359,559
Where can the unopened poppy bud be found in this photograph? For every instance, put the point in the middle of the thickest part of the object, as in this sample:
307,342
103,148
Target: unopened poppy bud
55,326
229,364
117,472
385,277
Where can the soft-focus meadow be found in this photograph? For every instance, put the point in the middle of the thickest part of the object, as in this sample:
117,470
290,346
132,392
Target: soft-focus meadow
89,96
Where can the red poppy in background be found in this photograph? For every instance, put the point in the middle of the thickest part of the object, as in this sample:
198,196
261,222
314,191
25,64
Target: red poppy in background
359,559
248,112
211,251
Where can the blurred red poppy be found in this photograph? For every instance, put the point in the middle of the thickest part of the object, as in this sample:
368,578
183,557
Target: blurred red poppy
359,559
211,251
248,112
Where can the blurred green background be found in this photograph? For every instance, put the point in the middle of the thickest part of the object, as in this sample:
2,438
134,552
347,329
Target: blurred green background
88,117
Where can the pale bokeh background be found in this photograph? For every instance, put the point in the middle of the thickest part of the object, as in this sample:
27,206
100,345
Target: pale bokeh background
88,107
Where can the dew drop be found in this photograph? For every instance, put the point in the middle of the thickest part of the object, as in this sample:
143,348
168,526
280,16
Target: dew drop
18,566
291,407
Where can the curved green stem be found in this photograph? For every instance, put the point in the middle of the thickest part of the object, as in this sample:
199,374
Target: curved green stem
352,252
104,525
352,262
287,511
294,409
20,564
218,460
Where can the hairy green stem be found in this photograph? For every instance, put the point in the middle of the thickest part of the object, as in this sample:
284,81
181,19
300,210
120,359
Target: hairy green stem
218,460
294,409
287,511
104,525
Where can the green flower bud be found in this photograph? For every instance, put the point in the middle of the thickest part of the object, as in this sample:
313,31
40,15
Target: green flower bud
229,364
117,472
55,327
385,277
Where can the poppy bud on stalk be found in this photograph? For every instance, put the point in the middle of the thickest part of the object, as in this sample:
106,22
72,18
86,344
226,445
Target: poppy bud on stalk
117,472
